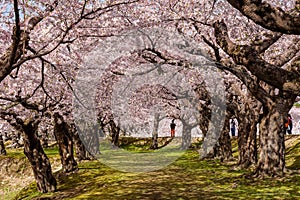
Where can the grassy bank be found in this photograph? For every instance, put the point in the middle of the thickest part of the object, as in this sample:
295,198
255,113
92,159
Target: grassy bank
16,173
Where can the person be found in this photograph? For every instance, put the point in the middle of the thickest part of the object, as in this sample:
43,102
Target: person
173,125
232,127
289,124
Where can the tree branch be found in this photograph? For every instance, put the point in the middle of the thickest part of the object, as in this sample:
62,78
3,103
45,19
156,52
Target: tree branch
287,55
262,45
252,84
269,17
20,43
251,59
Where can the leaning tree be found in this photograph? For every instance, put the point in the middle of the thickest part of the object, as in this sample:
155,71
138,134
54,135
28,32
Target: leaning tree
255,56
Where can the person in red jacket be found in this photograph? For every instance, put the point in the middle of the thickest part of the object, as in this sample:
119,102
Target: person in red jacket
172,126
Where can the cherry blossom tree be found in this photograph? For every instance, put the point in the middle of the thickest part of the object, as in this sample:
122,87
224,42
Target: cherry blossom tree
33,34
44,44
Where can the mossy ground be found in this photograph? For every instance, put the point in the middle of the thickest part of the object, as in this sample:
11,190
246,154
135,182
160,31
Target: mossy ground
186,178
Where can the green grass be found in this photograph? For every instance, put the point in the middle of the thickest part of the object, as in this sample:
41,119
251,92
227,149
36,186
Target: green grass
19,154
186,178
293,152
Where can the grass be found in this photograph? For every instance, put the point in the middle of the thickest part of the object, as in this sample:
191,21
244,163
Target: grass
185,178
18,153
293,152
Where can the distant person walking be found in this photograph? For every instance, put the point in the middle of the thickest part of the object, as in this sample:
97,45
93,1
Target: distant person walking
172,126
289,124
232,128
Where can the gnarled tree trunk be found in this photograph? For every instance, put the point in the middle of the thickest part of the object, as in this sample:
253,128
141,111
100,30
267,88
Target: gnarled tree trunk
225,143
115,132
39,161
222,148
272,149
80,150
64,140
247,139
2,147
247,144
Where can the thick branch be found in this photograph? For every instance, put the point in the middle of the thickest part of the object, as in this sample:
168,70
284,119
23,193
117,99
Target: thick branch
287,55
240,72
16,36
13,119
269,17
214,47
262,45
293,84
251,59
15,50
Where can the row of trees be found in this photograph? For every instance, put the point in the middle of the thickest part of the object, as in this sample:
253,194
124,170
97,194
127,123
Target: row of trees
254,44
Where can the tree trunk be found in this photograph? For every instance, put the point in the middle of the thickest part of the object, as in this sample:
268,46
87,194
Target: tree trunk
89,136
63,137
154,144
15,140
247,142
272,149
225,143
80,150
44,142
115,132
39,161
44,139
2,147
204,121
186,136
222,148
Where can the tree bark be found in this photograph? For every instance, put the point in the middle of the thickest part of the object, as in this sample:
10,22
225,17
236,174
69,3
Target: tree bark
247,142
154,144
186,135
63,137
80,150
89,136
115,132
39,161
246,109
225,143
222,148
269,17
2,147
272,149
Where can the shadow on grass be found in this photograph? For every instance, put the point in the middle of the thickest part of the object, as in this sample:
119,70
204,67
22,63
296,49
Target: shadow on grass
186,178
